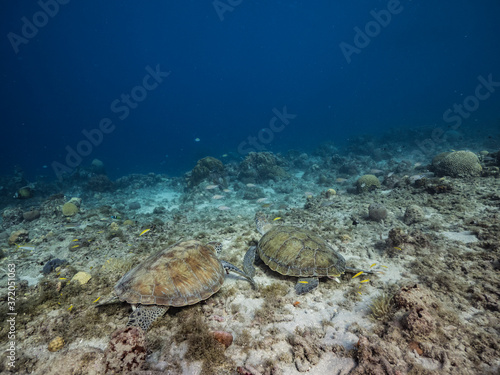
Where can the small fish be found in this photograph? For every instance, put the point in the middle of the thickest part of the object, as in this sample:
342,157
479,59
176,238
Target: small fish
341,180
98,298
373,265
226,190
277,218
197,139
303,282
398,248
390,174
70,308
296,303
416,165
359,273
224,208
224,155
217,196
76,239
266,205
384,266
308,194
260,200
144,231
75,246
376,171
211,187
62,278
359,292
250,185
29,248
101,231
71,225
365,281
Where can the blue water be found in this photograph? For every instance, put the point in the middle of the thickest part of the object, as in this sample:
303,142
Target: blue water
233,65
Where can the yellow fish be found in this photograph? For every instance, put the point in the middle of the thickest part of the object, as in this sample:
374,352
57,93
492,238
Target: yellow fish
76,239
398,248
70,308
303,282
98,298
277,218
144,231
62,278
75,246
359,273
373,265
365,281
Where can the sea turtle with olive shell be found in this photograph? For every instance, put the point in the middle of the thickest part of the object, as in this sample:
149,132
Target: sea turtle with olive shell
183,274
294,251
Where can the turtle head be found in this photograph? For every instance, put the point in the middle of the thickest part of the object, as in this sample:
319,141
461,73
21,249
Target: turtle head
261,222
217,246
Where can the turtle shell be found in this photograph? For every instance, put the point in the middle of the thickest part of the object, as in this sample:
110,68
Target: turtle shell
183,274
299,252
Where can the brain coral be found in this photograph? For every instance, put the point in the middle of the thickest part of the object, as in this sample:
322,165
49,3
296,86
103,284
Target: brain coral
367,182
457,164
69,209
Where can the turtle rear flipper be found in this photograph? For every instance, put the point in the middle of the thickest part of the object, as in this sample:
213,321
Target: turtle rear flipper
144,315
306,284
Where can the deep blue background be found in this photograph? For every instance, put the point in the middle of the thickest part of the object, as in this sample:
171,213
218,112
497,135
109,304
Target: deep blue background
227,76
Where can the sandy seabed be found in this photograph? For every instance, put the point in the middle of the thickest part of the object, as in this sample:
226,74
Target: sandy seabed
432,307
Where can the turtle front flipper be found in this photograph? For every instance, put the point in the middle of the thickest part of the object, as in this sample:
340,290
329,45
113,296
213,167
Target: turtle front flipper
144,315
306,284
249,260
230,267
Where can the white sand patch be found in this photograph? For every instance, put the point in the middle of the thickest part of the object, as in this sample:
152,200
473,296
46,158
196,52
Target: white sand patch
464,237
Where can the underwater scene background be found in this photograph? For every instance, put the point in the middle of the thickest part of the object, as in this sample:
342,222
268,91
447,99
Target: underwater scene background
356,141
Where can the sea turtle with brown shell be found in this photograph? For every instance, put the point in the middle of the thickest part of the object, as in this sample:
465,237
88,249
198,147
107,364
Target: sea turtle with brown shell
183,274
294,251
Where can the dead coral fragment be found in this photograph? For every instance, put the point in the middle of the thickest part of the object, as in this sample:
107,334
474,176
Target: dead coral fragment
381,307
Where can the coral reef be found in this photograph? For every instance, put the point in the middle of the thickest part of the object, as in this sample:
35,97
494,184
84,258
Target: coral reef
261,166
56,344
381,307
18,237
457,164
413,214
126,351
367,182
69,209
31,215
377,212
100,183
208,168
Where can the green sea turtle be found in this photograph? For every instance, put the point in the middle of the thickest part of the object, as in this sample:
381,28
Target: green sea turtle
294,251
183,274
